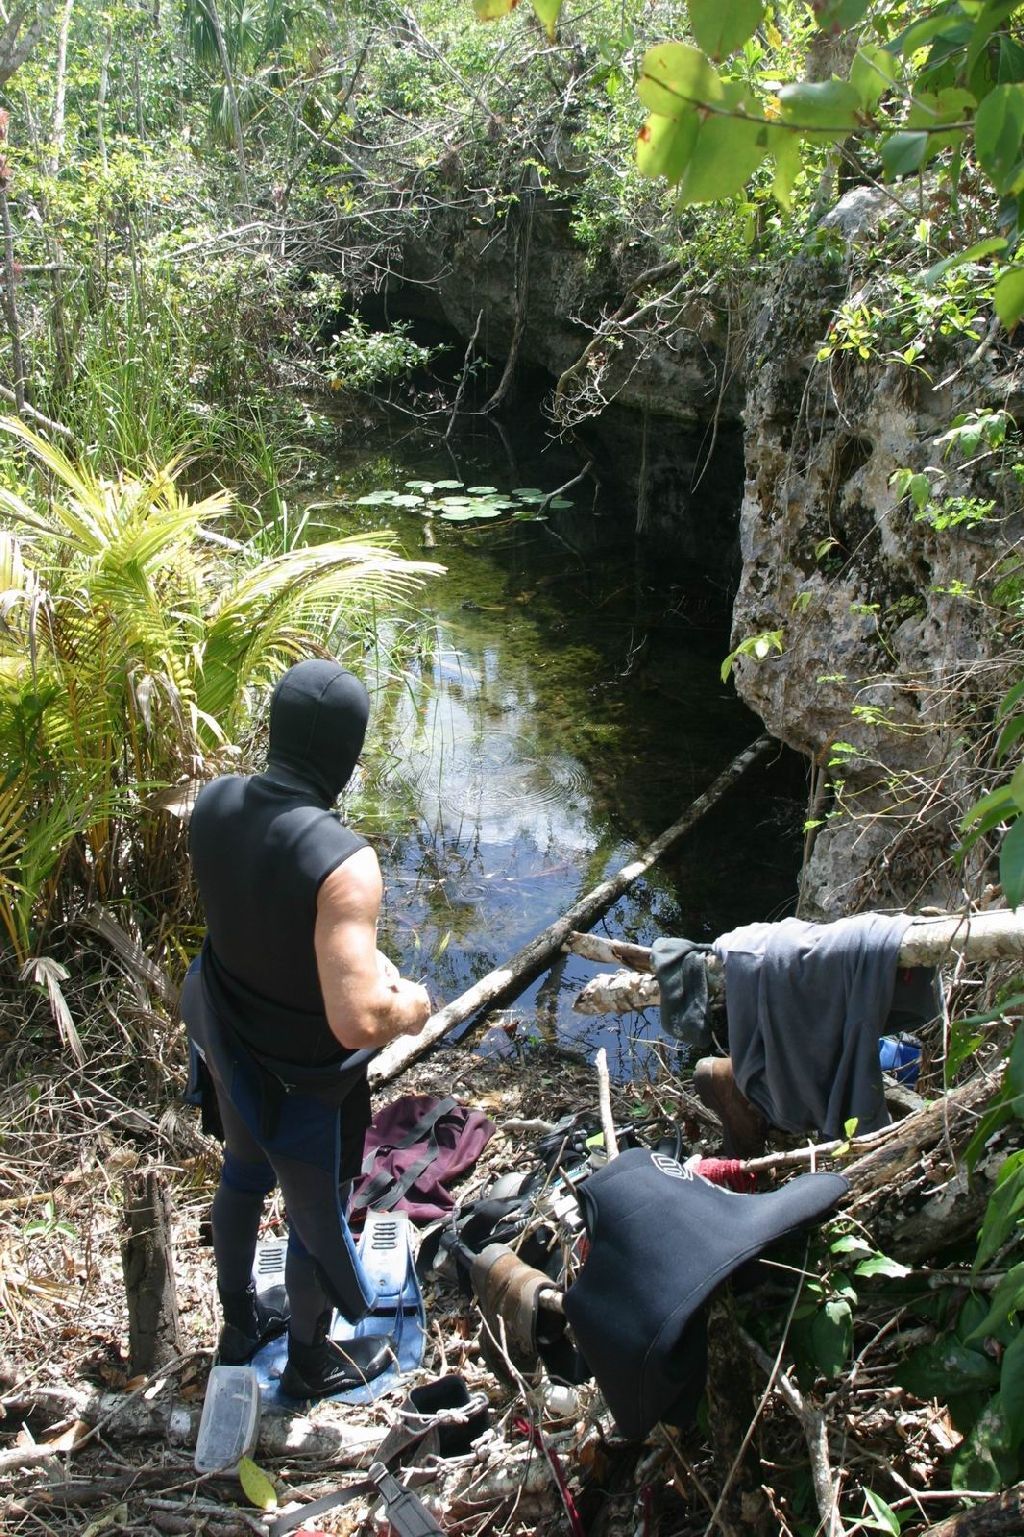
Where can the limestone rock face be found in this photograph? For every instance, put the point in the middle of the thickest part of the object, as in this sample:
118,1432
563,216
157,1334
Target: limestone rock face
887,646
891,650
482,264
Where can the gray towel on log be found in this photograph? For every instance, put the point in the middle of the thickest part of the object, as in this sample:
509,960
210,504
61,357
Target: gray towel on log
806,1004
680,966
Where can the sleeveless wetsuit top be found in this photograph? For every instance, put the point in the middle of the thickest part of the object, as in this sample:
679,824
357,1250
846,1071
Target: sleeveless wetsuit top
261,851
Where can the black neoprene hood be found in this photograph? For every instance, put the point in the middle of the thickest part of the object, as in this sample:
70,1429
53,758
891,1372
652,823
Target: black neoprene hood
318,718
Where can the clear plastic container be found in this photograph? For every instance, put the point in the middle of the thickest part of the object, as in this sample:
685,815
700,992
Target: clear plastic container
230,1420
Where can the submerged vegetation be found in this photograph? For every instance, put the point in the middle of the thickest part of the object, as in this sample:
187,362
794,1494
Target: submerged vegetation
204,209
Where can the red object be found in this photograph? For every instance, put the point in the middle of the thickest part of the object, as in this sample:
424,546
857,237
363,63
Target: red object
728,1172
525,1428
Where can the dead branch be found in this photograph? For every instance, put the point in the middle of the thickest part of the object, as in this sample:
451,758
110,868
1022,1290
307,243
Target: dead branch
1000,1516
33,415
467,359
991,936
815,1429
627,311
510,979
604,1099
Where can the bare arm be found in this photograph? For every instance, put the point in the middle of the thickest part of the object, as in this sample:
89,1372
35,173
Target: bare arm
365,1005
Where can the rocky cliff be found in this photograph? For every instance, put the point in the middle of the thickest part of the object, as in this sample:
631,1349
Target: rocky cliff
889,615
883,645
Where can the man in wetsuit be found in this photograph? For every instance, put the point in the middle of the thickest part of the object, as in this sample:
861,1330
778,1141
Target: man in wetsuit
287,1003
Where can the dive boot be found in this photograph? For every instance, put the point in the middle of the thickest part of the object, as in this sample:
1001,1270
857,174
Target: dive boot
744,1128
248,1324
334,1366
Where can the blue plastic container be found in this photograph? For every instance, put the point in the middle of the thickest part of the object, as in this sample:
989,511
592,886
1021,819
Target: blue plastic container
900,1055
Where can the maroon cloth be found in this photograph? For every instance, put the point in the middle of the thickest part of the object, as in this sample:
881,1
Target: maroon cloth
461,1137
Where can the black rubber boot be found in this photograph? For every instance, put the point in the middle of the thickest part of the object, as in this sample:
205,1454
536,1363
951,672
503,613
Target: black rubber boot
248,1325
334,1366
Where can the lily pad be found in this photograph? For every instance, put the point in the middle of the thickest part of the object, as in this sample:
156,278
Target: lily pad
487,510
481,490
528,493
559,502
459,514
456,501
409,499
426,486
447,485
377,499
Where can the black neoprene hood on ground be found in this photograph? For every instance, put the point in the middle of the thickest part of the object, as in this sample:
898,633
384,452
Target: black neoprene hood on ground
662,1239
318,717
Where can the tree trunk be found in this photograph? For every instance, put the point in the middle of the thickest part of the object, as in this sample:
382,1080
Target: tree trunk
11,303
60,90
101,99
147,1260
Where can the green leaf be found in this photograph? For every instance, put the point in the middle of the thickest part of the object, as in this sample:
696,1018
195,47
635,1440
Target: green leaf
1010,699
904,153
839,15
1011,1390
528,493
822,109
664,145
448,485
990,18
481,490
929,111
727,152
1007,1299
963,1043
722,26
873,71
973,253
919,488
986,1460
998,130
1011,864
1008,297
831,1337
547,13
258,1488
936,1369
849,1243
459,514
785,146
1004,1210
675,78
996,800
491,10
881,1264
886,1519
921,33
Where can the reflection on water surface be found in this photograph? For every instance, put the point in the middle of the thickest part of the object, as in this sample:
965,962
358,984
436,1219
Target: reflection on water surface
559,711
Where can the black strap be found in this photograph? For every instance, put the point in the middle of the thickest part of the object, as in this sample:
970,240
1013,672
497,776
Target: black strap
406,1512
383,1190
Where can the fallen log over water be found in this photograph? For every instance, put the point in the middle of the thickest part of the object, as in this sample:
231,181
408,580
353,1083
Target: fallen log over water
991,936
509,980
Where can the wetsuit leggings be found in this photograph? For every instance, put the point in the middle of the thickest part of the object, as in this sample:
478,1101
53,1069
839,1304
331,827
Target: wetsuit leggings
247,1178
